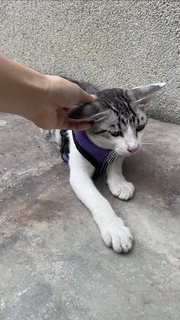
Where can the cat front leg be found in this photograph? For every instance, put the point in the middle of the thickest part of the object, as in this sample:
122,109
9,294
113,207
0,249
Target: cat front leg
113,231
118,185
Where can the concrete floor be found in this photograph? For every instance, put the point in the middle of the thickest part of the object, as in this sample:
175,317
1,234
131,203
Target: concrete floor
53,263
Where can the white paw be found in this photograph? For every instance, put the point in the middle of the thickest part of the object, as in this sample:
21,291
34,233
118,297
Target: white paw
123,190
117,236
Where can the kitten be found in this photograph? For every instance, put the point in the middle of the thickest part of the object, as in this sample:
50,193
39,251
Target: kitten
117,127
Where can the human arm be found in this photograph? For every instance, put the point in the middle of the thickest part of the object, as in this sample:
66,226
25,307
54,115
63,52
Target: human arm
43,99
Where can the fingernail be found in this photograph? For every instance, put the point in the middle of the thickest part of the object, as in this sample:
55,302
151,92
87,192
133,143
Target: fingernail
93,96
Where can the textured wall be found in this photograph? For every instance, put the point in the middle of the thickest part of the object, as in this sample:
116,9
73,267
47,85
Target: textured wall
112,43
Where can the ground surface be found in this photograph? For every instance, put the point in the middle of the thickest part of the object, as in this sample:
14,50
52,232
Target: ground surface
53,263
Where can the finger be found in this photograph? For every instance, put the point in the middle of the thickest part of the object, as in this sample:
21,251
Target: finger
75,125
86,97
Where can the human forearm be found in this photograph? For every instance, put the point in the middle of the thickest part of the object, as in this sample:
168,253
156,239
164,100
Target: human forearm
22,90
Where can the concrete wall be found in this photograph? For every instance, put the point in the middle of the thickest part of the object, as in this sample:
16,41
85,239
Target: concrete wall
111,43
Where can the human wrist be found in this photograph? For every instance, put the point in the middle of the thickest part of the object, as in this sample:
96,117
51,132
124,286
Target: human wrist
22,89
36,88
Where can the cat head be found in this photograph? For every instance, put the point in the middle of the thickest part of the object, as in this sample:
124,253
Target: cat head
117,120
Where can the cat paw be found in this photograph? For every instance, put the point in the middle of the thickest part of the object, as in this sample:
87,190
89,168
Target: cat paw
117,236
122,190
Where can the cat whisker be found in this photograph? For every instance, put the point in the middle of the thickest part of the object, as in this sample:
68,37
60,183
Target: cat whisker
116,156
104,166
148,143
110,159
148,152
156,157
113,164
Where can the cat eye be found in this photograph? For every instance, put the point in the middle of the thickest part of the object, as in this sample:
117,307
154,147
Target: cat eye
117,134
141,127
99,132
114,134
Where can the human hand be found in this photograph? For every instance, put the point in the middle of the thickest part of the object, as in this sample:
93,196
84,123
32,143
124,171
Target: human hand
61,96
42,99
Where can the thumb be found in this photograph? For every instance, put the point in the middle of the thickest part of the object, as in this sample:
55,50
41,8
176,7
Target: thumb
86,97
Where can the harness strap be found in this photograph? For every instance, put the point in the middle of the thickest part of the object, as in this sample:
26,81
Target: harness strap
95,155
85,153
64,149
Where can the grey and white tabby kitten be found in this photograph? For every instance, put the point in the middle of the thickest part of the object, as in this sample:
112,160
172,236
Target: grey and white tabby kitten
118,124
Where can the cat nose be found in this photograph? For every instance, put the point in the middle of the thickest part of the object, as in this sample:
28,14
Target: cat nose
133,149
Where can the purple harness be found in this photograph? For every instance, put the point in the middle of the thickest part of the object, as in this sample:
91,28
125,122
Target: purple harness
95,155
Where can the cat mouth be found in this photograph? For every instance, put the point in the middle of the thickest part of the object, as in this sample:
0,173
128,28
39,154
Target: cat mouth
127,152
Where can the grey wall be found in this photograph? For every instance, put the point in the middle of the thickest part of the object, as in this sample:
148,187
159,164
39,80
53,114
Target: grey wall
112,43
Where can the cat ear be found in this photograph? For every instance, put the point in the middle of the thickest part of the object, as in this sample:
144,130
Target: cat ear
87,112
143,94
